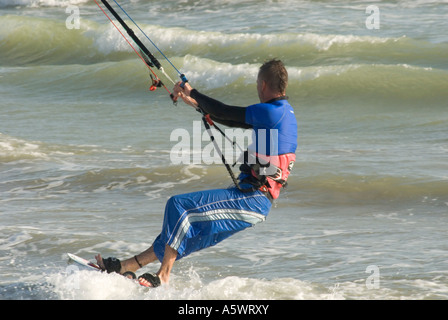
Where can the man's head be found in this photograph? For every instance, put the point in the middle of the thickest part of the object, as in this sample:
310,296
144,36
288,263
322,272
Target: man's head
272,80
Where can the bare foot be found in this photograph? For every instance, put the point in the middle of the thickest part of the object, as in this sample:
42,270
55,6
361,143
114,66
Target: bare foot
101,264
99,261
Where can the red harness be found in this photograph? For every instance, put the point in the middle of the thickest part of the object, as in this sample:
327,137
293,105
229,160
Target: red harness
276,169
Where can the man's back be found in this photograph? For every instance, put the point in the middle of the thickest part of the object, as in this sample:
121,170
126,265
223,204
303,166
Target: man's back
275,127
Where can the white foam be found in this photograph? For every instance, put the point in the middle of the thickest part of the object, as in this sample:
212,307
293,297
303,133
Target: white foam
180,39
108,40
76,284
210,74
14,148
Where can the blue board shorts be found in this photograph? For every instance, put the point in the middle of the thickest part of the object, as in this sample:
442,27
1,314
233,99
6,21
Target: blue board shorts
198,220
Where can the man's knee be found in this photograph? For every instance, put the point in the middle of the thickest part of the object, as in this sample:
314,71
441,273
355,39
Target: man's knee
180,202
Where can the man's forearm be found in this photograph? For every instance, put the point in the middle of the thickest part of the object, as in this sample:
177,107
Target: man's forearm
232,116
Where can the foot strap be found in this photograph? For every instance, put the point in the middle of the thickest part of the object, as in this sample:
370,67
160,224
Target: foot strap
112,265
153,279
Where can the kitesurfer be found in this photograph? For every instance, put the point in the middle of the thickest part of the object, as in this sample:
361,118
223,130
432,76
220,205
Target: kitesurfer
201,219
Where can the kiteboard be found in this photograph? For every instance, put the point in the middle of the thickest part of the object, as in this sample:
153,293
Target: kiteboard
83,262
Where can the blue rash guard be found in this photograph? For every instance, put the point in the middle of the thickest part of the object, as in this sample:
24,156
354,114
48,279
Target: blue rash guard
277,122
198,220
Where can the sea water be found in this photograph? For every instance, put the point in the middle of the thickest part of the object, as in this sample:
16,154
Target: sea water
85,147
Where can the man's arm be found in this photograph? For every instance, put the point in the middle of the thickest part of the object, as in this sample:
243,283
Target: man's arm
231,116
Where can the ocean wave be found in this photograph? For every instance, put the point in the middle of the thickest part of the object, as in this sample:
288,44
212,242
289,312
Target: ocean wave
187,286
157,181
33,40
400,85
343,189
76,283
15,149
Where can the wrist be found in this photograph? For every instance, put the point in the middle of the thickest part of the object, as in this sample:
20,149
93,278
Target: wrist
187,89
193,93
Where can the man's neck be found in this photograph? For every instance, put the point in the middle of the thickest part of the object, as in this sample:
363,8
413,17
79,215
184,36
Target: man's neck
273,98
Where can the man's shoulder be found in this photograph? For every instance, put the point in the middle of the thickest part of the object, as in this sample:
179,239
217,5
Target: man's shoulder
275,105
269,114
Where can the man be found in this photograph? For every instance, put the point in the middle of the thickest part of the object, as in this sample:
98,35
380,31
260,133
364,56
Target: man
198,220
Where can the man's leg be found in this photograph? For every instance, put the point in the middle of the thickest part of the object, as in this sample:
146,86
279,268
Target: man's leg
131,264
198,220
